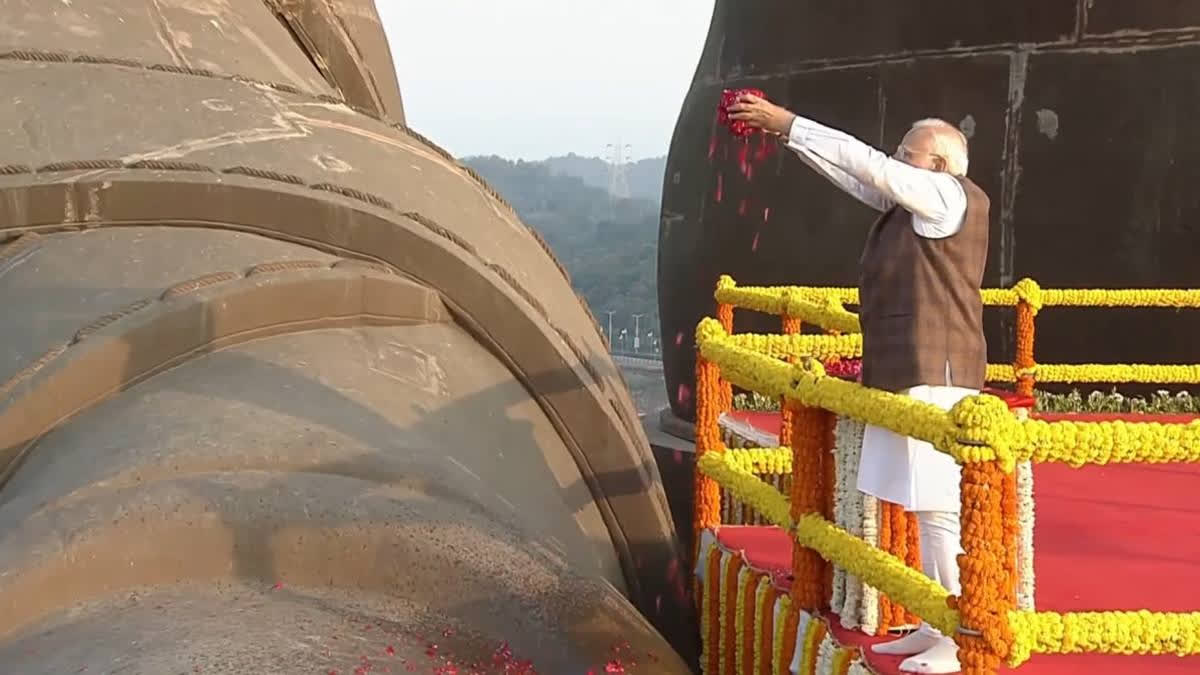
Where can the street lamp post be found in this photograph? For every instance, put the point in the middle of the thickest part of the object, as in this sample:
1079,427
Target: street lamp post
637,336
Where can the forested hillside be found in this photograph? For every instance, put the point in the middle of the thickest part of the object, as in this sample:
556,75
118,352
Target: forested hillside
608,246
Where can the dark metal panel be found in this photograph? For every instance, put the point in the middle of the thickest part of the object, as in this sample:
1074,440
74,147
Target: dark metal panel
1107,197
1112,16
765,35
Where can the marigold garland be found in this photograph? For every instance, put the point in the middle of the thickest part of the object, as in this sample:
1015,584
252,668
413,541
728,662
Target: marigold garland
808,444
983,605
885,544
1140,632
762,461
710,611
1023,362
731,571
746,618
795,345
785,634
769,299
707,497
913,554
790,327
764,625
1128,373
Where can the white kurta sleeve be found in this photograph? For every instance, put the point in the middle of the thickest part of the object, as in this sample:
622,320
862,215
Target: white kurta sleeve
936,200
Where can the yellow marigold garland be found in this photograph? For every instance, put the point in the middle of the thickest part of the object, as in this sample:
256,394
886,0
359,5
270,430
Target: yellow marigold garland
769,299
794,345
785,636
762,461
812,643
1127,373
1103,632
746,608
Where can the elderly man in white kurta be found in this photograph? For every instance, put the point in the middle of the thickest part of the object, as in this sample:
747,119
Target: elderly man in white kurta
921,316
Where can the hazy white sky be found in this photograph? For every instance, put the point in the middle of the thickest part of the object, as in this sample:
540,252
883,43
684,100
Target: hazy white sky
530,79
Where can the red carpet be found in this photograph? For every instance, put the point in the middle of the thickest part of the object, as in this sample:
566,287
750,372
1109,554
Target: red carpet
1120,537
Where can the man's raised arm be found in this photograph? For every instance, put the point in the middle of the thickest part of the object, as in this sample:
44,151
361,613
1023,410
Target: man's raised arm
935,198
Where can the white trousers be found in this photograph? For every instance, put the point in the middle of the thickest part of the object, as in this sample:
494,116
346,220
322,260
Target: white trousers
941,543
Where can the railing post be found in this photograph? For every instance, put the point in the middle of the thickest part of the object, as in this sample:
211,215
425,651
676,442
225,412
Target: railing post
809,432
1023,362
709,397
985,636
791,326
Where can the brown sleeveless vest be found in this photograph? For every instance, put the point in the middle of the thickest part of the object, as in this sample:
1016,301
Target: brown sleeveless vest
919,301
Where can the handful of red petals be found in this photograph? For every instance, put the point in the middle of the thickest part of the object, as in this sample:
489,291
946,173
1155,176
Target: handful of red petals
729,97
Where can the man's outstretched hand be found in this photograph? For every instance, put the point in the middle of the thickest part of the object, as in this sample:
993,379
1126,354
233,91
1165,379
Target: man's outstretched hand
761,114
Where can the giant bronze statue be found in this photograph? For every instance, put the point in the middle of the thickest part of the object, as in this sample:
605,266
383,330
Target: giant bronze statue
283,387
1078,114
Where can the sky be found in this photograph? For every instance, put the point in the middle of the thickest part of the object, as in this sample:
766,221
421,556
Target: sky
531,79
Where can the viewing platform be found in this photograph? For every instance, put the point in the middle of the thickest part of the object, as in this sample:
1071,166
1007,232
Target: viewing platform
798,572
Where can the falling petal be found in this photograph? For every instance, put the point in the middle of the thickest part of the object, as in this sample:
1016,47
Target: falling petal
742,208
684,393
391,651
658,604
679,338
679,457
720,187
766,214
712,147
754,244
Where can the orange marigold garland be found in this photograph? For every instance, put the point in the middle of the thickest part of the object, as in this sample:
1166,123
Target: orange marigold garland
745,639
899,522
885,544
729,602
711,617
707,495
790,327
782,657
912,528
1012,532
829,464
1024,363
984,603
808,496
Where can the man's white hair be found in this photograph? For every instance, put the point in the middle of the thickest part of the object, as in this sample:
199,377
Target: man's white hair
948,142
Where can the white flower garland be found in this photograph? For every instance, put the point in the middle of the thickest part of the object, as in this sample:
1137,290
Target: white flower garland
1025,518
856,604
858,668
825,653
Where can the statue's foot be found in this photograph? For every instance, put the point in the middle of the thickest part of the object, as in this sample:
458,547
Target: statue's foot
941,658
914,643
